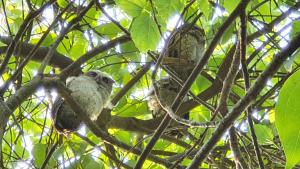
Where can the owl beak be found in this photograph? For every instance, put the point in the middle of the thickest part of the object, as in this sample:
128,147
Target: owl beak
112,81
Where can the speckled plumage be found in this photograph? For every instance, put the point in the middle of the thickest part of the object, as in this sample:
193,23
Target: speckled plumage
168,90
91,90
186,44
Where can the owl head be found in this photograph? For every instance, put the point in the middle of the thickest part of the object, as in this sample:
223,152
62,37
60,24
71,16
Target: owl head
165,84
101,79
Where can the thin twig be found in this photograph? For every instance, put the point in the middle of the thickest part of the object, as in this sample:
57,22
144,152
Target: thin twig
6,18
111,19
243,44
49,155
222,106
102,151
155,19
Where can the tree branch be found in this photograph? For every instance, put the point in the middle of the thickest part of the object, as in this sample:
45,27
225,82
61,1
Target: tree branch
58,60
29,18
243,44
64,92
190,80
245,101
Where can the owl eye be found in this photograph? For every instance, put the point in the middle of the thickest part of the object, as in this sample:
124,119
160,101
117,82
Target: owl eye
92,74
107,80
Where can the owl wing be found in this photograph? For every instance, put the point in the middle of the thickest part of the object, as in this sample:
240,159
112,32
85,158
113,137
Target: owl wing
56,106
64,118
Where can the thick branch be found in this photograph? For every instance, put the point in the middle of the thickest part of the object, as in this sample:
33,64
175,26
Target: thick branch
58,60
64,92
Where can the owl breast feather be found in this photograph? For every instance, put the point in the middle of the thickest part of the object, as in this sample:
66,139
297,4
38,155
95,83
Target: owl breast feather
87,93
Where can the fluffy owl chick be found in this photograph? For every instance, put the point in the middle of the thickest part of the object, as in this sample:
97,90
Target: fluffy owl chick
185,49
91,90
168,90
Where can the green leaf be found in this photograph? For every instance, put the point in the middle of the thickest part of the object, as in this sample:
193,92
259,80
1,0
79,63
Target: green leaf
109,29
62,3
38,2
295,28
88,162
78,148
288,64
50,38
92,16
145,33
266,10
205,8
59,152
263,133
134,108
230,5
124,136
228,34
202,83
166,8
287,119
130,51
296,56
131,7
200,113
39,154
79,44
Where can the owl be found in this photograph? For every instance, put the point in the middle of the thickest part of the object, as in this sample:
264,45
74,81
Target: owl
168,90
184,49
91,90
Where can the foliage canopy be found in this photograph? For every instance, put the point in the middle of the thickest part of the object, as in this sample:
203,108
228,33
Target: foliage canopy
247,83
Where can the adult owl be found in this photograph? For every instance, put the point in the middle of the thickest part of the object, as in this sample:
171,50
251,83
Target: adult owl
91,91
184,49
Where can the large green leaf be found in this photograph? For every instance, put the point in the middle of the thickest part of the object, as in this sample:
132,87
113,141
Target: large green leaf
131,7
167,7
205,8
62,3
145,33
109,29
229,33
295,28
134,109
263,133
39,154
88,162
230,5
287,119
